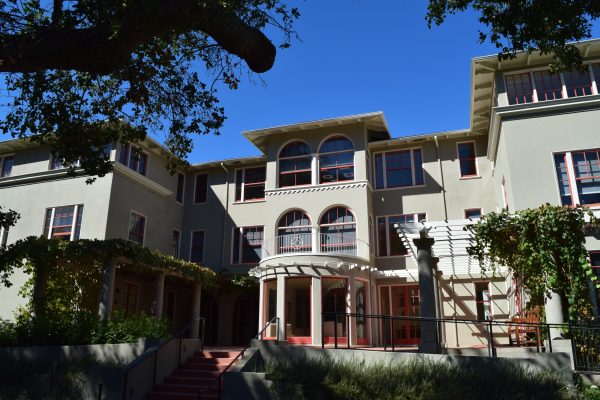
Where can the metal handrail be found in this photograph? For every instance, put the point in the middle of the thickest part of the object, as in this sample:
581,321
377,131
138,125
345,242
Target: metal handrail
219,380
154,352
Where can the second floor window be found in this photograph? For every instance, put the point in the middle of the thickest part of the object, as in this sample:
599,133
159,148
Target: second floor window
519,88
336,160
175,241
201,188
197,247
6,165
247,243
137,228
389,242
467,159
180,187
338,230
578,174
294,232
295,161
401,168
63,222
250,184
134,158
473,213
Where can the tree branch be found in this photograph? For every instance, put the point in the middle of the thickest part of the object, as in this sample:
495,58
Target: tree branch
101,51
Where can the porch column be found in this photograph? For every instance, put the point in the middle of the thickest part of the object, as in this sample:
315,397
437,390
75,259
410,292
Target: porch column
159,291
196,299
281,306
352,310
554,314
316,310
429,343
107,289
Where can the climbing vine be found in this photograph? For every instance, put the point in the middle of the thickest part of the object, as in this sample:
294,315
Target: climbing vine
544,248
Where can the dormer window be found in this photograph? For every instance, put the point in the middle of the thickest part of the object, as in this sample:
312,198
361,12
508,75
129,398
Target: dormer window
295,165
336,160
578,83
134,158
519,89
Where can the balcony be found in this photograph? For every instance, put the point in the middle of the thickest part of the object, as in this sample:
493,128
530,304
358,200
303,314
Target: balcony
307,244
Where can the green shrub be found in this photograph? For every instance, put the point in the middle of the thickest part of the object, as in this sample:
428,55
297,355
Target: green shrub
415,380
123,329
8,333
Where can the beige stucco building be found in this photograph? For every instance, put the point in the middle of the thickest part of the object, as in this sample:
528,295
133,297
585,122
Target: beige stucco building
313,215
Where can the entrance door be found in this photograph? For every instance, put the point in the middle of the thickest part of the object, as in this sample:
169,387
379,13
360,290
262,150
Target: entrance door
401,301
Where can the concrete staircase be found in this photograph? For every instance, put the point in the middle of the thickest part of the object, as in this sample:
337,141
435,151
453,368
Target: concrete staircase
194,376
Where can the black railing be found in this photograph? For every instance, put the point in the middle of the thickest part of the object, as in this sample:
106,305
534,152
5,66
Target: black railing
154,352
219,379
529,334
585,345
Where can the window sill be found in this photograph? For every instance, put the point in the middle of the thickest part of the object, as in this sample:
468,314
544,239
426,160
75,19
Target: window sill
400,188
249,202
200,203
466,178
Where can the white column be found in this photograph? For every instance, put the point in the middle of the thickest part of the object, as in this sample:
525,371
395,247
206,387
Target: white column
159,290
316,310
196,299
315,239
314,167
107,289
554,314
261,305
281,305
352,310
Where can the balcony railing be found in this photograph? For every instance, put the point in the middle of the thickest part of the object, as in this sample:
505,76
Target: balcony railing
312,243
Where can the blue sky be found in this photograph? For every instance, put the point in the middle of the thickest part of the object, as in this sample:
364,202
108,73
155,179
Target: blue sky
357,56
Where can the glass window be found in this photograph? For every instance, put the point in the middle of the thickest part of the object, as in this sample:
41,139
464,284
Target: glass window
336,160
389,242
134,158
63,222
596,72
250,184
547,86
467,159
519,88
334,297
137,228
564,185
483,301
3,237
175,243
197,247
294,233
180,187
7,164
587,176
338,231
201,190
295,161
270,307
578,83
298,307
247,244
473,213
399,169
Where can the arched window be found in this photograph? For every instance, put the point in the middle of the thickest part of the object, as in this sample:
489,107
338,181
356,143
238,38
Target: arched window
294,233
338,231
336,160
295,165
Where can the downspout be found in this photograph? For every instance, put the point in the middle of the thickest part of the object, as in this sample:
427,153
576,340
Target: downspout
437,154
225,214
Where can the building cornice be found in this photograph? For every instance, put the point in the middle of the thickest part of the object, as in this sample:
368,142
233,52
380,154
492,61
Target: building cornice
141,180
547,107
49,175
315,188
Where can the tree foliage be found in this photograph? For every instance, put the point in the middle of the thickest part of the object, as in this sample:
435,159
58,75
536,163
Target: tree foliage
544,247
515,25
8,218
83,74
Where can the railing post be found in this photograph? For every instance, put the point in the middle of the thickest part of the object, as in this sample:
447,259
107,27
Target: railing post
322,330
385,333
335,333
348,329
392,329
493,349
549,338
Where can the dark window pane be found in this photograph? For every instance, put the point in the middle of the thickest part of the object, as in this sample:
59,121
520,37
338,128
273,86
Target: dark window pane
418,160
519,89
254,192
379,183
338,143
547,85
180,186
7,166
578,83
201,188
294,149
382,237
398,178
197,253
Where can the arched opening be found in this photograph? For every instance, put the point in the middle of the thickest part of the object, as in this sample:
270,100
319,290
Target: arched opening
294,233
295,161
336,160
338,231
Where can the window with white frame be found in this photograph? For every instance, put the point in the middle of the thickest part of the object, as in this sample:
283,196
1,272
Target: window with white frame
197,247
338,231
63,222
250,184
389,242
57,162
402,168
294,232
578,174
473,213
247,244
541,85
201,188
295,165
134,158
180,187
483,301
595,264
137,228
6,165
336,160
175,243
3,237
467,159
